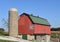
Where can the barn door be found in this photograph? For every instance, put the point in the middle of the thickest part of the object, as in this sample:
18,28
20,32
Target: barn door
24,36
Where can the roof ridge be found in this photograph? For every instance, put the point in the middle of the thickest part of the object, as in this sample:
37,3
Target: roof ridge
34,16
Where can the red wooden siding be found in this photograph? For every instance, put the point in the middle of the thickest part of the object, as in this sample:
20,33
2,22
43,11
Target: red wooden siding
41,29
23,25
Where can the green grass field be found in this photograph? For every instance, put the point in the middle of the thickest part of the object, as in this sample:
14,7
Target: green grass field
6,41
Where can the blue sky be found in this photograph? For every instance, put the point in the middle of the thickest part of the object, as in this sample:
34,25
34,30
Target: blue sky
49,9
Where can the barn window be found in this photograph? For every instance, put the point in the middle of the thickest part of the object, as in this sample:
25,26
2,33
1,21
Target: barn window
31,27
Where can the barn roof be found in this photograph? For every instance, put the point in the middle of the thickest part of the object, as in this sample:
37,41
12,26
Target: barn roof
38,20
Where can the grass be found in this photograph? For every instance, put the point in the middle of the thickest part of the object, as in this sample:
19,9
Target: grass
4,34
6,41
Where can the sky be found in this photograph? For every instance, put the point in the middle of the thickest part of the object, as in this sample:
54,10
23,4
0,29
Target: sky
48,9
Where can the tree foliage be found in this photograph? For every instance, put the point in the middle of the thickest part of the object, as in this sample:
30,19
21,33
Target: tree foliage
1,30
55,29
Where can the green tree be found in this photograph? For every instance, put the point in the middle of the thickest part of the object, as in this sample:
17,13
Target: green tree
1,30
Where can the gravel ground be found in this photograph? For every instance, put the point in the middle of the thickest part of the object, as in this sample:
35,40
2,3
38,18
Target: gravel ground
12,39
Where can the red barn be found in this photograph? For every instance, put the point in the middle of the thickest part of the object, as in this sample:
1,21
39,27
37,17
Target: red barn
29,24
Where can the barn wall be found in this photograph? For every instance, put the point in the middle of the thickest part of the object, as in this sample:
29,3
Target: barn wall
43,38
47,38
30,37
23,25
41,29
